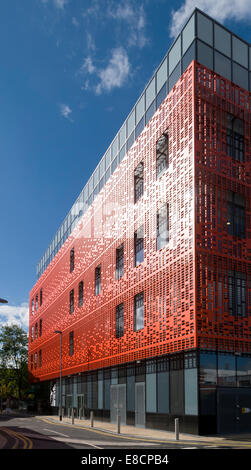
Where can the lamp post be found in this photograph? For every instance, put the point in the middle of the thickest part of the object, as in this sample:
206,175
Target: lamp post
60,377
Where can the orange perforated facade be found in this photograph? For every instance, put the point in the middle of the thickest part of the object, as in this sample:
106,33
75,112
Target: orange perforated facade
165,276
196,288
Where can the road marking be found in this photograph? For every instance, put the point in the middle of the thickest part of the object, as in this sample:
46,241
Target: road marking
56,432
77,441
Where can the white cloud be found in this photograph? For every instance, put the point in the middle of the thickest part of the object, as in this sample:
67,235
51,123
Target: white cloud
88,65
65,111
15,314
134,16
60,3
221,10
116,72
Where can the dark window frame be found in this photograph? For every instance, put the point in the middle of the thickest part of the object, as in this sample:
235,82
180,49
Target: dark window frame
138,181
98,280
71,343
162,222
71,301
138,304
235,138
236,225
80,293
72,260
162,155
139,246
120,320
120,261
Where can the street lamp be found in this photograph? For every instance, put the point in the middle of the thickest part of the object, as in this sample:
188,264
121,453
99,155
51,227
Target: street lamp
60,378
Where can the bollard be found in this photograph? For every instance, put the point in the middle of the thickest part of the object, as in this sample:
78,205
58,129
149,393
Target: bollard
118,422
176,424
92,419
69,412
72,415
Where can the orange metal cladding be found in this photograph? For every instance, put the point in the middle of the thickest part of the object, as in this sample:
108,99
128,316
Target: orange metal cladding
217,252
166,276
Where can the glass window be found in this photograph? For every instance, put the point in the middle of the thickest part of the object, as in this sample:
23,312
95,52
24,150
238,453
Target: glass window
162,153
243,371
163,392
80,293
150,93
177,392
130,393
161,95
139,128
139,246
100,389
122,153
240,52
107,174
119,320
107,384
115,147
108,158
235,137
237,293
131,123
240,76
71,343
98,280
151,393
72,260
174,77
120,261
226,370
40,327
191,391
150,112
140,109
205,28
188,57
138,181
222,40
174,55
222,65
208,369
130,141
243,365
235,214
162,75
72,301
139,311
162,226
114,164
122,135
188,34
102,167
205,55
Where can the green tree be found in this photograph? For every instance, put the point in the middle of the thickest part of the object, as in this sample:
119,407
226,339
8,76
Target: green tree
14,360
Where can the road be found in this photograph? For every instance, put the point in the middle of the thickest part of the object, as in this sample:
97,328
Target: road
28,432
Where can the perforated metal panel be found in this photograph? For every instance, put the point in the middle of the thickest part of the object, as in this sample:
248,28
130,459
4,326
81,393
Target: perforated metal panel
186,295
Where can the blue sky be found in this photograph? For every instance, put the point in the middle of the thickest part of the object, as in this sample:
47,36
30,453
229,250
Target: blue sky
70,72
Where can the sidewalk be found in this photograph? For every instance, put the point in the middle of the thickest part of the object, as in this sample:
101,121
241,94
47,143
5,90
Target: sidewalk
139,433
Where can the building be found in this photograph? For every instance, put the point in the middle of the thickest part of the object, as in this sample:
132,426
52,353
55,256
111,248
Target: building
149,275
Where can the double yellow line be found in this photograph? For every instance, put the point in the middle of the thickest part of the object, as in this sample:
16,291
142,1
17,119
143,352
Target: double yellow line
27,443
